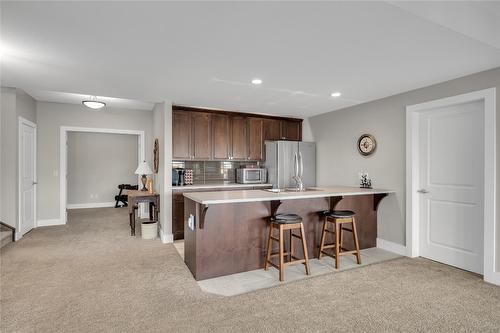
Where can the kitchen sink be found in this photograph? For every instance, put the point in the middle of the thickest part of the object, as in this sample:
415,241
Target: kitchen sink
289,189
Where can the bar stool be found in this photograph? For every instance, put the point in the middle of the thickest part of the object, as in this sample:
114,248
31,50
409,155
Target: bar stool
339,218
283,222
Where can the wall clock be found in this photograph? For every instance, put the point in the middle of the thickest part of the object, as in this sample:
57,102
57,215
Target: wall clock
156,156
366,144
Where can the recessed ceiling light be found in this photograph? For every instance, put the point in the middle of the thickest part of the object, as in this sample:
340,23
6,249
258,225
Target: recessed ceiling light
336,94
93,103
256,81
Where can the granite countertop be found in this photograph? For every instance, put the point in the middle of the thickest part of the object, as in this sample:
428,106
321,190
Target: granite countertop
222,197
217,185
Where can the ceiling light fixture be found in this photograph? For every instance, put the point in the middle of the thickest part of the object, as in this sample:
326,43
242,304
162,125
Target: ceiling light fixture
93,103
335,94
256,81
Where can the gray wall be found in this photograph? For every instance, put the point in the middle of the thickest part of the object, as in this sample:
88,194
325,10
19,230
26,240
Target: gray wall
97,163
51,116
339,162
15,103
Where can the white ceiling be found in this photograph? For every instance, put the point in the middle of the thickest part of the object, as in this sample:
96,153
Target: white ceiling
71,98
206,53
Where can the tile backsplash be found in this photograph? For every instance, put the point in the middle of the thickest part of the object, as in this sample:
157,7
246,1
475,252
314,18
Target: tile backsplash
211,171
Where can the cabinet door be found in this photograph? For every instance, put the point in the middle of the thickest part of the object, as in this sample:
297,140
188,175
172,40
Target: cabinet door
239,138
202,138
220,137
181,139
291,130
178,216
255,139
272,129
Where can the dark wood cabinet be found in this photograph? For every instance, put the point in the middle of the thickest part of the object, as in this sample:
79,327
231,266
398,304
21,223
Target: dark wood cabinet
220,137
181,135
255,139
191,135
178,215
202,134
202,137
271,129
239,138
291,130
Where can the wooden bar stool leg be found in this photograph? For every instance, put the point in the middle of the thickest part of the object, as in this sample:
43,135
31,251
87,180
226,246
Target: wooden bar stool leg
290,246
356,243
337,244
281,255
322,242
304,248
341,237
269,247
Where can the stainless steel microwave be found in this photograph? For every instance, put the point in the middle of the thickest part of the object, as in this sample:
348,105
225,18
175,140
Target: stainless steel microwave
251,176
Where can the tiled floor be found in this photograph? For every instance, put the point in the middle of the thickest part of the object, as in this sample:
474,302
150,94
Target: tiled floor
241,283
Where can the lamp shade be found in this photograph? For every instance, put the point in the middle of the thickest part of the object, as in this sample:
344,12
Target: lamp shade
143,169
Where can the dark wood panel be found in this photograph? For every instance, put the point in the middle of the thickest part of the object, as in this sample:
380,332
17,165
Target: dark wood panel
239,138
220,137
255,139
202,138
234,235
272,129
181,135
229,113
291,130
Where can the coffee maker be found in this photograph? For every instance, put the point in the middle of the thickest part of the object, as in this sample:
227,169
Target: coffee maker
178,177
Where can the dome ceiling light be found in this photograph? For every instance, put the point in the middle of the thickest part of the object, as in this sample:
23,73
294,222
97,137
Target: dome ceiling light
94,103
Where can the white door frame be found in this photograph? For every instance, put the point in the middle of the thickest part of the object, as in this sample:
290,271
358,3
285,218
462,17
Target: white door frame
412,172
63,153
22,121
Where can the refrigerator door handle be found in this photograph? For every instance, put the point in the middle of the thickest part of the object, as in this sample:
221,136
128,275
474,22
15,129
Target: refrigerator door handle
301,172
295,165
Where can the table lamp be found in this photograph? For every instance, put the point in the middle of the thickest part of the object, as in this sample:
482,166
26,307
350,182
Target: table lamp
143,169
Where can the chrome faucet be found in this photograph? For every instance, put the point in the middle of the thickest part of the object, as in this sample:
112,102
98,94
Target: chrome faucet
298,182
298,171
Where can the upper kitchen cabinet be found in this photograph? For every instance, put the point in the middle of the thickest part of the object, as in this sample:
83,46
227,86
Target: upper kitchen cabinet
291,130
181,138
202,137
192,137
239,138
271,129
255,139
202,134
220,137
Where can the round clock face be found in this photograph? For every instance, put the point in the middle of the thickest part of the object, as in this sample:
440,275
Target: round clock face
366,144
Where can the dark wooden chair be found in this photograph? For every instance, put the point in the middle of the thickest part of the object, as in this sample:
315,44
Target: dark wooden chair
123,198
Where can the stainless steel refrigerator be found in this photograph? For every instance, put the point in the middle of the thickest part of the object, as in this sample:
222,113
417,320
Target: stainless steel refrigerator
284,159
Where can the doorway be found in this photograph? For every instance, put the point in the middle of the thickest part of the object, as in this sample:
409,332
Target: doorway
451,181
27,176
64,160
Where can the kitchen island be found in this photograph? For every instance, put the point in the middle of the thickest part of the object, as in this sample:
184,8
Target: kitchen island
225,232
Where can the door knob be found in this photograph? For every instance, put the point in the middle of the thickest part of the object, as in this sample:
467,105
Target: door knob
423,190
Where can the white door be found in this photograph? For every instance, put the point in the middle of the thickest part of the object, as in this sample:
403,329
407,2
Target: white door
27,174
451,160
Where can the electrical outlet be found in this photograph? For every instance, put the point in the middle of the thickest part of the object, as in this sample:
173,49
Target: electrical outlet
91,196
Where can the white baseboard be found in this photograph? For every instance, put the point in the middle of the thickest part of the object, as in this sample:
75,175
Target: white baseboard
91,205
168,238
49,222
391,246
493,278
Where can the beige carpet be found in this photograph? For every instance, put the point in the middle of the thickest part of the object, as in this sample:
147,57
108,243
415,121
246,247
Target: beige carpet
91,276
